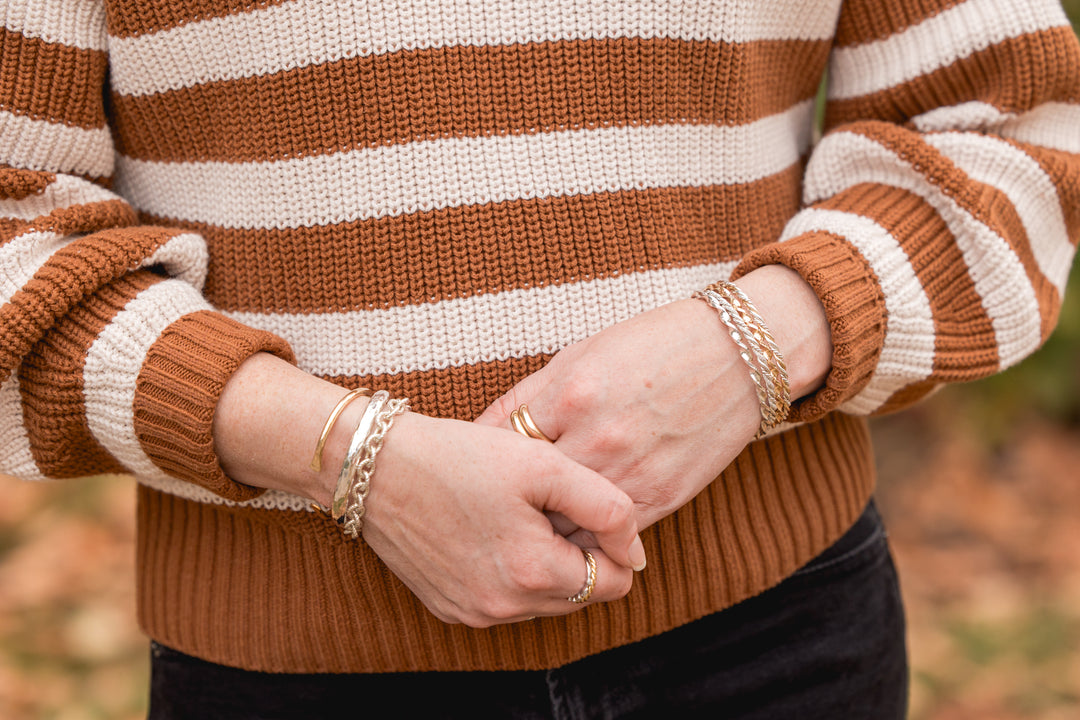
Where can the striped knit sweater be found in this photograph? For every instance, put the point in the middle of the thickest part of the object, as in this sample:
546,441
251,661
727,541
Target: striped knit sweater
434,196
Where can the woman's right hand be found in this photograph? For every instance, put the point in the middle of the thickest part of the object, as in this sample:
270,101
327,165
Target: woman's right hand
456,510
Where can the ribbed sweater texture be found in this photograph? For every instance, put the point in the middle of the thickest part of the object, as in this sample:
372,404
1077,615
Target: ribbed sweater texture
435,196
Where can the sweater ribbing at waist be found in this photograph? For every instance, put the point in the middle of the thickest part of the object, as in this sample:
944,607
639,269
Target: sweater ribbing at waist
282,591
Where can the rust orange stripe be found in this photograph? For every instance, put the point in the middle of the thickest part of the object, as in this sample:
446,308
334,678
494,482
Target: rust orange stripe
864,21
1046,58
471,250
129,18
467,91
72,273
986,204
72,93
965,346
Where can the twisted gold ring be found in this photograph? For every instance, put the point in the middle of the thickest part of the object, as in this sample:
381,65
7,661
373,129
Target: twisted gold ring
590,580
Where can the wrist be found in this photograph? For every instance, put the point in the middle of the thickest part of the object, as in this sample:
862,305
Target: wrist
321,485
712,340
268,421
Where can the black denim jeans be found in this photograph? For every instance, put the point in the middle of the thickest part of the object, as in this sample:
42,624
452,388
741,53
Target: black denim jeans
826,643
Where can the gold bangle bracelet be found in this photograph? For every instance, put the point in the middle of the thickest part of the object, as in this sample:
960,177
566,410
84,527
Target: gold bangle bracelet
316,459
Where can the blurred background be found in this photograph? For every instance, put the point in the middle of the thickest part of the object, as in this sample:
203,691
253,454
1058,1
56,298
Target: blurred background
980,487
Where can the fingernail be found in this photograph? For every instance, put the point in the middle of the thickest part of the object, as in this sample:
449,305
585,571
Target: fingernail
637,554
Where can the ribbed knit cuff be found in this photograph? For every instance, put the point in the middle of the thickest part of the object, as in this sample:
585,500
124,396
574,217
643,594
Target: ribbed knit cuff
62,386
178,389
854,305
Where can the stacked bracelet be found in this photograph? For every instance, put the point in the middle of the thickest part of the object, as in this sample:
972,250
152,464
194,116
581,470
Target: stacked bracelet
354,481
757,349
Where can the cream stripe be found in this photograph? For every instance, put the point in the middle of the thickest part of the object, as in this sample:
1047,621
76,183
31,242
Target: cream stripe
309,32
482,328
908,352
64,191
113,363
183,256
966,116
15,456
53,147
23,256
845,159
1031,191
422,176
1050,125
939,41
78,23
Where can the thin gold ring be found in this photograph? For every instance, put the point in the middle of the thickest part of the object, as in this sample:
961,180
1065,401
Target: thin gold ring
585,593
522,422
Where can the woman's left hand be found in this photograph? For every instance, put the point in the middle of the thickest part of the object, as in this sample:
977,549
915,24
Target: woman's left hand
661,403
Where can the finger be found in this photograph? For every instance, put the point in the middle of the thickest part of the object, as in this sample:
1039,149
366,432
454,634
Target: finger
498,413
581,538
566,527
611,580
596,505
542,417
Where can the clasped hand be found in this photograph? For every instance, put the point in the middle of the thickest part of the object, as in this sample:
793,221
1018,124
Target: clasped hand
644,415
658,405
486,526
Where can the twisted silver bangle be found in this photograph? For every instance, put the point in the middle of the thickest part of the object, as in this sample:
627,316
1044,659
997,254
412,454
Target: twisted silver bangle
738,331
777,368
767,368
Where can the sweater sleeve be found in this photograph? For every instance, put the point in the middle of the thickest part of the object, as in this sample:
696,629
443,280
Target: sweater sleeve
111,360
942,205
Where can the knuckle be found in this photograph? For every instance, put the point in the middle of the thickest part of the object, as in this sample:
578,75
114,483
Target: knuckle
579,392
495,608
611,438
528,575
